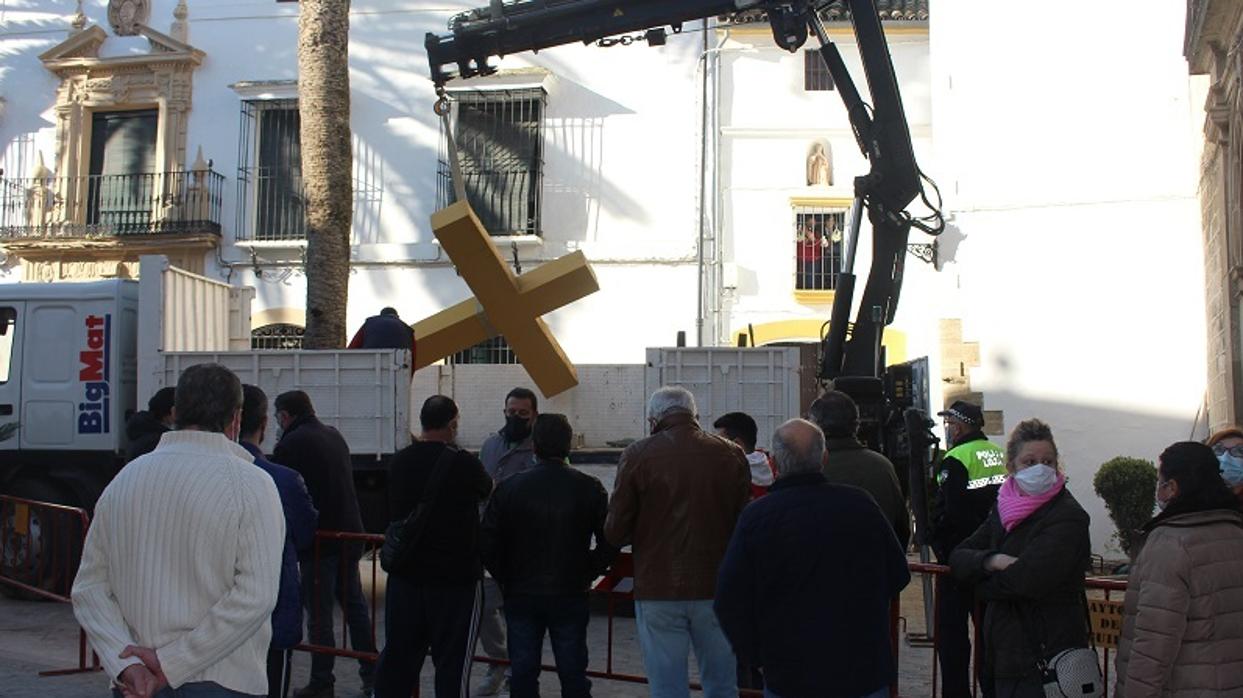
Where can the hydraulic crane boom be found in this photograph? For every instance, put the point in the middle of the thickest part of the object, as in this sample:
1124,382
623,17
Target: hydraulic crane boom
502,28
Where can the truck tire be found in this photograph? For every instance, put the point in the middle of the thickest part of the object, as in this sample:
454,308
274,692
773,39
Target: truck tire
41,548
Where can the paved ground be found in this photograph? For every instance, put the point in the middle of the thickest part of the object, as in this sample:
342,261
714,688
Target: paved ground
37,636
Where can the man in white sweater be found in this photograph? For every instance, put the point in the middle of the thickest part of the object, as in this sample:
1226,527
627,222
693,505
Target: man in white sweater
181,564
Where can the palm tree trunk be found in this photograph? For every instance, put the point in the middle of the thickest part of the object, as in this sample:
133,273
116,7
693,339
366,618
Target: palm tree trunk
324,103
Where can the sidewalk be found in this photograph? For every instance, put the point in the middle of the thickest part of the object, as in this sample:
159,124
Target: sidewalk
37,636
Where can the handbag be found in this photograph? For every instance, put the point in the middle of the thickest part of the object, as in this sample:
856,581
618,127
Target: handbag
400,537
1071,673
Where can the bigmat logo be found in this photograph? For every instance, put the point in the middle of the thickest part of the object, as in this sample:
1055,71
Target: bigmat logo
93,412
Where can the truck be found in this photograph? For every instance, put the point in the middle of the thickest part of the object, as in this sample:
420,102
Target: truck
78,358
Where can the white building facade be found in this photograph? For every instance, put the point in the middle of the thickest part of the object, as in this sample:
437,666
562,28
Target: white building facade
1068,285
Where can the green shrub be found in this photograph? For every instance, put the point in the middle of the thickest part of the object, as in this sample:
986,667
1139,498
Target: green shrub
1128,486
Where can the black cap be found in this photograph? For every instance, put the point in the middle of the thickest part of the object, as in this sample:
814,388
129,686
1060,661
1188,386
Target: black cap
964,412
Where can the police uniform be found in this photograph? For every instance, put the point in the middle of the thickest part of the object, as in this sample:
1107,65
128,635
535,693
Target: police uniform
967,482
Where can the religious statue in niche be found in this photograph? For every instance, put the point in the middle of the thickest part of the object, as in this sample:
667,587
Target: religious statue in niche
126,15
819,167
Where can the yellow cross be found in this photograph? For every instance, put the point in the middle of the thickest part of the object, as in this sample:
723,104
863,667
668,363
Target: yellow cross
504,304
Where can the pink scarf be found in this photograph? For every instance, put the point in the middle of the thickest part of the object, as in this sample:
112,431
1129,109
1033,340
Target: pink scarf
1014,506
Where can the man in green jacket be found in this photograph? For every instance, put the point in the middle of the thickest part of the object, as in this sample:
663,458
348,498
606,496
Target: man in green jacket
849,462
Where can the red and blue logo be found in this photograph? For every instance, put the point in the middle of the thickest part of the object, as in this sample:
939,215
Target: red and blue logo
94,415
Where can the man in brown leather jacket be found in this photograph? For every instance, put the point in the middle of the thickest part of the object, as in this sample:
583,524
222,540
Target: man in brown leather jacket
677,497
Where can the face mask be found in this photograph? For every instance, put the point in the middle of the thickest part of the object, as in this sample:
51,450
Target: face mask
516,428
1036,479
1231,469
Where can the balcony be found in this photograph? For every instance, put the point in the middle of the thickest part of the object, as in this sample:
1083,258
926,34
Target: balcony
119,207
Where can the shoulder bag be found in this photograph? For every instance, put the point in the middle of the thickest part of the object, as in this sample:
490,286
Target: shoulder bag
401,536
1071,673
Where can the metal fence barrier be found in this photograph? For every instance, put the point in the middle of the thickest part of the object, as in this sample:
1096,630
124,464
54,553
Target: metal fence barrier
40,548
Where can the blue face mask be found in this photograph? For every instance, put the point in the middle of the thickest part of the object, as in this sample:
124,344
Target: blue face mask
1231,469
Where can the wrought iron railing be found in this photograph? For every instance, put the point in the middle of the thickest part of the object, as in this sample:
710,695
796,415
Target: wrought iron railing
111,205
507,203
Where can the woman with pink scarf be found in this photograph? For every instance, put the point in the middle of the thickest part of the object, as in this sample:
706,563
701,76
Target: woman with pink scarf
1027,562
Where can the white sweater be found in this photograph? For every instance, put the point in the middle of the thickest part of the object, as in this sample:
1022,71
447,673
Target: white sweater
184,556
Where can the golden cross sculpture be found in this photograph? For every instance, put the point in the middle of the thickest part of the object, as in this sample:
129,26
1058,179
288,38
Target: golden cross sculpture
504,304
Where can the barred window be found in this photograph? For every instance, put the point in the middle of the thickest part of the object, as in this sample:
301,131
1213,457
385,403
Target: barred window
499,136
270,204
816,77
279,335
818,236
489,351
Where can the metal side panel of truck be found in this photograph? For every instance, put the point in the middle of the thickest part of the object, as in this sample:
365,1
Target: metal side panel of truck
67,377
364,393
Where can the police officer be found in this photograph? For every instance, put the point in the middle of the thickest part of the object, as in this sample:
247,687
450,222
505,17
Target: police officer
967,482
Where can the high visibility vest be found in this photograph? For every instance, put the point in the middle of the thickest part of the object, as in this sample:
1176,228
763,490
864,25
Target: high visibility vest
985,462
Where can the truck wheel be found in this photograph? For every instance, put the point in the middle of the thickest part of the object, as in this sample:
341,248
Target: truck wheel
41,547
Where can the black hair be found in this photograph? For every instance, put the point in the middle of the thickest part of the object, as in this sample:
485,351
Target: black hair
254,408
835,413
551,436
388,311
437,412
162,402
208,396
295,403
738,425
524,394
1197,471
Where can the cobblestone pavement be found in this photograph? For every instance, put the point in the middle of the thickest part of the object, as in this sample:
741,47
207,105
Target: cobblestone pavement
38,636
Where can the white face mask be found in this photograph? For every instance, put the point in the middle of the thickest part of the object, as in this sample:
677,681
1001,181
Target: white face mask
1036,479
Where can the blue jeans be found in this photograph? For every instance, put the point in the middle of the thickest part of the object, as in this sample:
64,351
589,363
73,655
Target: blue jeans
667,631
565,619
321,589
198,689
882,692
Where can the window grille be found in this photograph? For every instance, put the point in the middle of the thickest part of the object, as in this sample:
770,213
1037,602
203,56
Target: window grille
489,351
818,234
278,335
499,136
269,172
816,77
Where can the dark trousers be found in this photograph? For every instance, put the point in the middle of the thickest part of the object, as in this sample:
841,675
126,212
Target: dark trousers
328,585
280,662
955,602
1019,688
565,620
418,618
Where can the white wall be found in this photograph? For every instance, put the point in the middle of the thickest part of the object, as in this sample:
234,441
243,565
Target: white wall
1067,152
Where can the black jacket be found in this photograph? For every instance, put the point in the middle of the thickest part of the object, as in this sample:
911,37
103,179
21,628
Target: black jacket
1039,598
447,553
805,589
142,433
320,455
957,511
537,531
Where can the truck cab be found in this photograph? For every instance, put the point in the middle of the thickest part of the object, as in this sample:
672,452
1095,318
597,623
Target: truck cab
68,373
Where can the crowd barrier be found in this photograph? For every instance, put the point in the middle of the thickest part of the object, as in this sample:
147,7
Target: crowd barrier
40,548
41,543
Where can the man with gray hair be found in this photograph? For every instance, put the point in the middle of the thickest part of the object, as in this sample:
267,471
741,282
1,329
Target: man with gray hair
807,557
182,561
677,497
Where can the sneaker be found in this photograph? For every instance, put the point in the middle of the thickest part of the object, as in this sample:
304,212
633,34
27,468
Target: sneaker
313,691
493,682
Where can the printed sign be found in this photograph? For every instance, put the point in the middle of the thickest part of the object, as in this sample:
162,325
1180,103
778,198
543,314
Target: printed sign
94,415
1106,621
